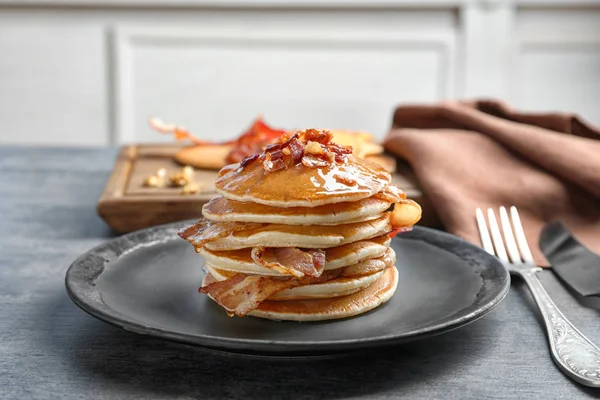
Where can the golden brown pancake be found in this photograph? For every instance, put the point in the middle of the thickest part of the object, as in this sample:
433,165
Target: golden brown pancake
351,305
361,142
370,149
336,257
387,162
204,156
302,186
222,209
311,236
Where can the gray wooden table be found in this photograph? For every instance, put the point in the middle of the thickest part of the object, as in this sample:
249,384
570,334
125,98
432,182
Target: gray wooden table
51,349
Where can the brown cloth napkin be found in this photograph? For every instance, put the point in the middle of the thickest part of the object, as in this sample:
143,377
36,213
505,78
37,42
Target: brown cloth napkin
469,154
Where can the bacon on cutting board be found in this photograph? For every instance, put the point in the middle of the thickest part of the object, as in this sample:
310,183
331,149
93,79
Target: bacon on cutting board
253,140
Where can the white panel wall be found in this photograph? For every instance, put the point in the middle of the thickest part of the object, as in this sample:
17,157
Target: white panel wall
80,72
216,81
557,61
53,86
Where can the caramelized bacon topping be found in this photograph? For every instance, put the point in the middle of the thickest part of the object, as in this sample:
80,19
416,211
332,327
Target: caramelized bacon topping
249,159
311,147
339,151
242,293
291,260
312,161
296,149
314,148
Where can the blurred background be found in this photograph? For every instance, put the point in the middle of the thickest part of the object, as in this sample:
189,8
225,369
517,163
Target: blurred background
81,72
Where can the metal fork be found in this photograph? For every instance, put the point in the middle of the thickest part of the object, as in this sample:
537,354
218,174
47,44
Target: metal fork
574,354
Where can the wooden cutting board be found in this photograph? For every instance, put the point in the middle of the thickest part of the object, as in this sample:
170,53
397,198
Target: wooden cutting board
127,205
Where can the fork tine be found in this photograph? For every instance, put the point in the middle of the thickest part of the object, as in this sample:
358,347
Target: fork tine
497,237
509,238
484,233
525,252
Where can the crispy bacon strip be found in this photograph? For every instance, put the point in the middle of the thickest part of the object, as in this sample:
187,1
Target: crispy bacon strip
396,231
314,135
291,260
205,231
273,161
296,149
249,159
243,293
340,151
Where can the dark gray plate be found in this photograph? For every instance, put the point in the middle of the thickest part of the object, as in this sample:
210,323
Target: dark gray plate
147,282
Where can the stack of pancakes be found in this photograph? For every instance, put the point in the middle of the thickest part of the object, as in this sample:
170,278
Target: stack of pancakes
301,232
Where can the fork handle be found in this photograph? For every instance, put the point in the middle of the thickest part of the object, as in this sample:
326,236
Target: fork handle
574,354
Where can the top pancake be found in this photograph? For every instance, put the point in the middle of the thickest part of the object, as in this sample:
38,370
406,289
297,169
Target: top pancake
302,186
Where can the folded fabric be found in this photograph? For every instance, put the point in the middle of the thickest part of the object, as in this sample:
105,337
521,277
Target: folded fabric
484,154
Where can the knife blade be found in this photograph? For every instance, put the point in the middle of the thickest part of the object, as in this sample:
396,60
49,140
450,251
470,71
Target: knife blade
577,266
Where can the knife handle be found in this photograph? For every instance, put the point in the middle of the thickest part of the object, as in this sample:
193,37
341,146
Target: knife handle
574,353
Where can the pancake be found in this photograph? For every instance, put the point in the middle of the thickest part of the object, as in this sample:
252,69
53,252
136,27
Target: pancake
361,142
312,236
387,162
335,257
222,209
302,231
302,186
370,149
351,305
350,138
209,156
340,286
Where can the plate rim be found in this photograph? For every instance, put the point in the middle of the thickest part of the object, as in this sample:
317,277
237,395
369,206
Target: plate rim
76,282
